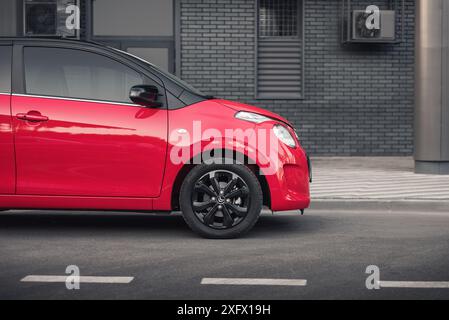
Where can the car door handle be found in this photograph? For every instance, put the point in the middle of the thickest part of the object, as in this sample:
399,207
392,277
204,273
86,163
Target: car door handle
32,116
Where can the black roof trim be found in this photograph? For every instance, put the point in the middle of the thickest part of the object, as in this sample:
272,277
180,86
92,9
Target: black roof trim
53,39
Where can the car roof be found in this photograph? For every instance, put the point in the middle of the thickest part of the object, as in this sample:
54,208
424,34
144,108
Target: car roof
75,43
62,41
53,40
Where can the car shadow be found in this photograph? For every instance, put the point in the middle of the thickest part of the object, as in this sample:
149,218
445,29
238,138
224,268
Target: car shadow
173,224
90,220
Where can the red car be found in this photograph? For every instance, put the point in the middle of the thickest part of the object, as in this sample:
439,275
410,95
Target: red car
84,126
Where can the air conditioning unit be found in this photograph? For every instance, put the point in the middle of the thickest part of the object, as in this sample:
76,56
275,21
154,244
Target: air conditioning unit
386,33
40,19
47,18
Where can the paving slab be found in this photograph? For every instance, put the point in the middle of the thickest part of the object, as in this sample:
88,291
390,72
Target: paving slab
388,183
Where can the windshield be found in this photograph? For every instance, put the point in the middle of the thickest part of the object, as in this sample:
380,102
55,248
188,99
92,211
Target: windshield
170,76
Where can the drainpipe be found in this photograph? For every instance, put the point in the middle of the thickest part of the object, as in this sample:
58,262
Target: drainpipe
432,87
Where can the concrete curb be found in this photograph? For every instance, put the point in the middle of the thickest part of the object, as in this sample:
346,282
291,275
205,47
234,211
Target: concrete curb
439,206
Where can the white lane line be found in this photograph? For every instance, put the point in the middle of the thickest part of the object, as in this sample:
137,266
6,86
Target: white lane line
83,279
415,284
254,282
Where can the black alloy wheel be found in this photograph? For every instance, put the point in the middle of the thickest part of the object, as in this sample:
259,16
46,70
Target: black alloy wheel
221,201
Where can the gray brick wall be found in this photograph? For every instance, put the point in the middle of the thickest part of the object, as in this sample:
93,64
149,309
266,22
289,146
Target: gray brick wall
358,99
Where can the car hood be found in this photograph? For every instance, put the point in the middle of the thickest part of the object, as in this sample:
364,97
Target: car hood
237,106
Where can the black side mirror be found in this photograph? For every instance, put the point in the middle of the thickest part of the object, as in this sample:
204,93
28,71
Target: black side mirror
145,95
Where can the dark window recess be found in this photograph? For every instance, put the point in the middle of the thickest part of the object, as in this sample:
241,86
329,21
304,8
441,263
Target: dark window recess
78,74
279,50
5,69
278,18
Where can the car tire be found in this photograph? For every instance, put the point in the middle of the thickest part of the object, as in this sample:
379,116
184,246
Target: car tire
226,216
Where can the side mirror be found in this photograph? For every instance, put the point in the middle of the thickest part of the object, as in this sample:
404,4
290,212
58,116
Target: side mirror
145,95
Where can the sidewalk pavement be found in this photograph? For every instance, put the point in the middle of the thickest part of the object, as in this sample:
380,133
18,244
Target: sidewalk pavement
387,183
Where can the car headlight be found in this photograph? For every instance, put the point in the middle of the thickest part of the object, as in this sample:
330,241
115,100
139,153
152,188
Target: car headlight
251,117
284,135
297,135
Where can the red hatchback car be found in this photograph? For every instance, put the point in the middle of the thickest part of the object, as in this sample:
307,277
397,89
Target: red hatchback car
84,126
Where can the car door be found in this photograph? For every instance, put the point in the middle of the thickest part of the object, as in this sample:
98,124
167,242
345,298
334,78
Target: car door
76,131
7,165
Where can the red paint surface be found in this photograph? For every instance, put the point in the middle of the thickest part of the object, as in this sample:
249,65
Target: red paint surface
87,155
89,149
7,161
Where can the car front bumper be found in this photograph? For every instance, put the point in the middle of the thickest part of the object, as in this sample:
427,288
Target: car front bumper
290,185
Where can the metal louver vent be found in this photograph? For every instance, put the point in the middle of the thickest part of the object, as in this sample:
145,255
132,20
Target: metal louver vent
279,69
279,50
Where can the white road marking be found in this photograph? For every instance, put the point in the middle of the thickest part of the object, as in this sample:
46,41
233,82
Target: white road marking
415,284
83,279
254,282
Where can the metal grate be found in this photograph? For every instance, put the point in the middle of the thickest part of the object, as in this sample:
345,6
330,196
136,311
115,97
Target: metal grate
278,18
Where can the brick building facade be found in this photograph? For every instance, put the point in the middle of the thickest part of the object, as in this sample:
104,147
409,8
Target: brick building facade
357,99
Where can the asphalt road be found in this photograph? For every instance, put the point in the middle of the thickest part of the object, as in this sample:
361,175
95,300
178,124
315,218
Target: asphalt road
331,250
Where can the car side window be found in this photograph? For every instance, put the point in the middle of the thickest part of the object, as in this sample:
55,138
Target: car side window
5,69
73,73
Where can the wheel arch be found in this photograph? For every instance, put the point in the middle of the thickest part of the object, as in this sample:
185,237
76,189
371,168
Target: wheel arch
222,153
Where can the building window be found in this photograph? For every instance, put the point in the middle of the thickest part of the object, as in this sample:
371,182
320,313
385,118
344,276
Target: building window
47,18
278,18
136,18
279,49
